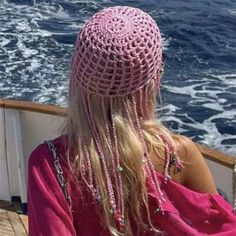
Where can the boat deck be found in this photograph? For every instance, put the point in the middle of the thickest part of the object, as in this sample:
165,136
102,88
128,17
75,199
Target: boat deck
12,221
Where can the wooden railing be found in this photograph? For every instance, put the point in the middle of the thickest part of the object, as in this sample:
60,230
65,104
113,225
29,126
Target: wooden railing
208,153
35,107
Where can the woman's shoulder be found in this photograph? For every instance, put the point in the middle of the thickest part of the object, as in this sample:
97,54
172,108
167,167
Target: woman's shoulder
37,155
184,147
41,153
195,174
187,150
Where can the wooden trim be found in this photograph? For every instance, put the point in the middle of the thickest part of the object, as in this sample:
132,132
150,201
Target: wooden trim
217,156
34,107
207,152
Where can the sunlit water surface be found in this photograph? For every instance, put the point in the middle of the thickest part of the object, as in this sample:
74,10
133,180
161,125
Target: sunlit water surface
199,86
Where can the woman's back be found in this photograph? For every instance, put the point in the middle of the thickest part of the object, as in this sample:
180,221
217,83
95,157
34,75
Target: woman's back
181,216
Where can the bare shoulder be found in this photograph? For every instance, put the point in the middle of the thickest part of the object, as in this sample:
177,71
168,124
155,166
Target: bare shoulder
187,150
195,174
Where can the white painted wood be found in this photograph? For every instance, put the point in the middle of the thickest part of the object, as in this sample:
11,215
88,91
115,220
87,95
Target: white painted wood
24,131
38,127
223,177
4,180
16,163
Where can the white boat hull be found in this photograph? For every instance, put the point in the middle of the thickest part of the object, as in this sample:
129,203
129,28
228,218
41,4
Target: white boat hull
21,132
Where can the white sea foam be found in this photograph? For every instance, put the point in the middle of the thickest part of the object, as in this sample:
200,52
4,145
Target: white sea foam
166,42
37,65
4,42
168,109
232,11
213,106
208,93
213,138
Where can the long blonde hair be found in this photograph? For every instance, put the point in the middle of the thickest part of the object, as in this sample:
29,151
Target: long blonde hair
125,126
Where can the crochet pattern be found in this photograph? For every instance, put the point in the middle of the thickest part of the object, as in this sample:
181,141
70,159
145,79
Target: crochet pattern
117,52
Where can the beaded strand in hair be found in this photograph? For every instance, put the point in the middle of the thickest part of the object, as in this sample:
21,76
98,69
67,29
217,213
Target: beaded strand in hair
87,106
127,112
119,214
149,165
170,155
145,101
108,138
140,94
89,169
119,169
103,161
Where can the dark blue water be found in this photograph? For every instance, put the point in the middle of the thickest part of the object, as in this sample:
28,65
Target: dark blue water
199,85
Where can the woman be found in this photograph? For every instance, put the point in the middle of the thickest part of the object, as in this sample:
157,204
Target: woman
118,170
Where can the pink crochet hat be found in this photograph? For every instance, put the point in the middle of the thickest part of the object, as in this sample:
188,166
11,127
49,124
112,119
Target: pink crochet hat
117,52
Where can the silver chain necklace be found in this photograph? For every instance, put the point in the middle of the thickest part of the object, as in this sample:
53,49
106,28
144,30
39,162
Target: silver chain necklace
58,168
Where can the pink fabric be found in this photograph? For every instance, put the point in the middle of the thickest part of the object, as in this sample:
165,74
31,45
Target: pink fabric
186,212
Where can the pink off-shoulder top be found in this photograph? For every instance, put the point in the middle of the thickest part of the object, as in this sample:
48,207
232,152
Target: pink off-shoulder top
185,212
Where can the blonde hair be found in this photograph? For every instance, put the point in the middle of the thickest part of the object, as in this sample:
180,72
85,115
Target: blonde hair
125,126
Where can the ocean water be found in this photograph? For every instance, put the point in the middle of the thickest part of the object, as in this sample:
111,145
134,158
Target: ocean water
198,89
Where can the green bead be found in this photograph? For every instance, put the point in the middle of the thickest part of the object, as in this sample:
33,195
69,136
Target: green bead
111,210
157,210
120,169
